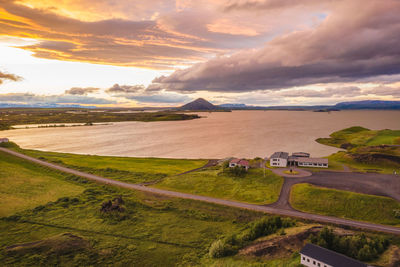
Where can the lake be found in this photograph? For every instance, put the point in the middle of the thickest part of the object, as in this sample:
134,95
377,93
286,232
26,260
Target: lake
245,134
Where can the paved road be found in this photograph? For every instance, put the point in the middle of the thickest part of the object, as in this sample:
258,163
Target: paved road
367,183
265,209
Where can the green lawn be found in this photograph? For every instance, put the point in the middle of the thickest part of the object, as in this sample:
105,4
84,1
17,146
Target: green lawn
388,137
370,208
126,169
152,231
25,185
252,188
145,165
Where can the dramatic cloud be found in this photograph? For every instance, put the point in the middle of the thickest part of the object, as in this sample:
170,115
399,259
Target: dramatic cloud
142,94
252,51
125,89
153,34
28,98
346,47
8,76
81,91
141,43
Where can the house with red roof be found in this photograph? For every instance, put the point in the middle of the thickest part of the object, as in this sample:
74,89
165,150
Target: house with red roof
239,162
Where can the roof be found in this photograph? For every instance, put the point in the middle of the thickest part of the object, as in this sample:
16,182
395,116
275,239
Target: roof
282,155
301,154
234,160
243,162
330,257
312,160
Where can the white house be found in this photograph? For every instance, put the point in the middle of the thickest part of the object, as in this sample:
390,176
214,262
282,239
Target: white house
312,162
4,140
315,256
239,162
279,159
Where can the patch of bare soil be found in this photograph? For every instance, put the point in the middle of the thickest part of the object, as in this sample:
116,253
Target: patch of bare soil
395,261
284,246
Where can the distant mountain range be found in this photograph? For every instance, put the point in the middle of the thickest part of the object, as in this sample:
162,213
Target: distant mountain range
366,104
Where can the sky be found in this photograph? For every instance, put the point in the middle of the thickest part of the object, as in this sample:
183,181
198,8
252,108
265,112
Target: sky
134,53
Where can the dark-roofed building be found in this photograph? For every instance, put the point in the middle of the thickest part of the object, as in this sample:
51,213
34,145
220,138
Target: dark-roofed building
279,159
316,256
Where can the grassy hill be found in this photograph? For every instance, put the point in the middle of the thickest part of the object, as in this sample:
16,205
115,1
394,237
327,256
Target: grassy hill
366,150
25,185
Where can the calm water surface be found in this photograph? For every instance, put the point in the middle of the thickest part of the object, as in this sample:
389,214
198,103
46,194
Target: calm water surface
239,133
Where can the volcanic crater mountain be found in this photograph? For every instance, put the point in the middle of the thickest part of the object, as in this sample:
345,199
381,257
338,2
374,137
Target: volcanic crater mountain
199,104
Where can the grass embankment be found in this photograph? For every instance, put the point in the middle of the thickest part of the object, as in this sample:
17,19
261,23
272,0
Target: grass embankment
22,116
127,169
24,185
150,231
344,204
253,187
367,150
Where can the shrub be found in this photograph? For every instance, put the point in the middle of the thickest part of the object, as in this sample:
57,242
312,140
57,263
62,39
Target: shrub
358,246
220,249
265,226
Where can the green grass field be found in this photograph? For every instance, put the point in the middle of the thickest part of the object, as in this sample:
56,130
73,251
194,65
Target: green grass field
25,185
127,169
145,165
152,231
252,188
344,204
359,136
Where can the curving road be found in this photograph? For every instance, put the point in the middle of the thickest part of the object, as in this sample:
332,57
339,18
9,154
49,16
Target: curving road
259,208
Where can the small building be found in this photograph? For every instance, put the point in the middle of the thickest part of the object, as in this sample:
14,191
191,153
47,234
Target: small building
315,256
4,140
279,159
312,162
239,162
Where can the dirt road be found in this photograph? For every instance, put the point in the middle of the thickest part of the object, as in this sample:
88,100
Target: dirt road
265,209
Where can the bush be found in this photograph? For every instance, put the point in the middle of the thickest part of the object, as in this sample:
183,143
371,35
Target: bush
220,249
236,171
358,246
231,244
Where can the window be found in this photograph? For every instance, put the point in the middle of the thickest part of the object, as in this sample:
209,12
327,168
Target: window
319,264
308,260
313,262
304,258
